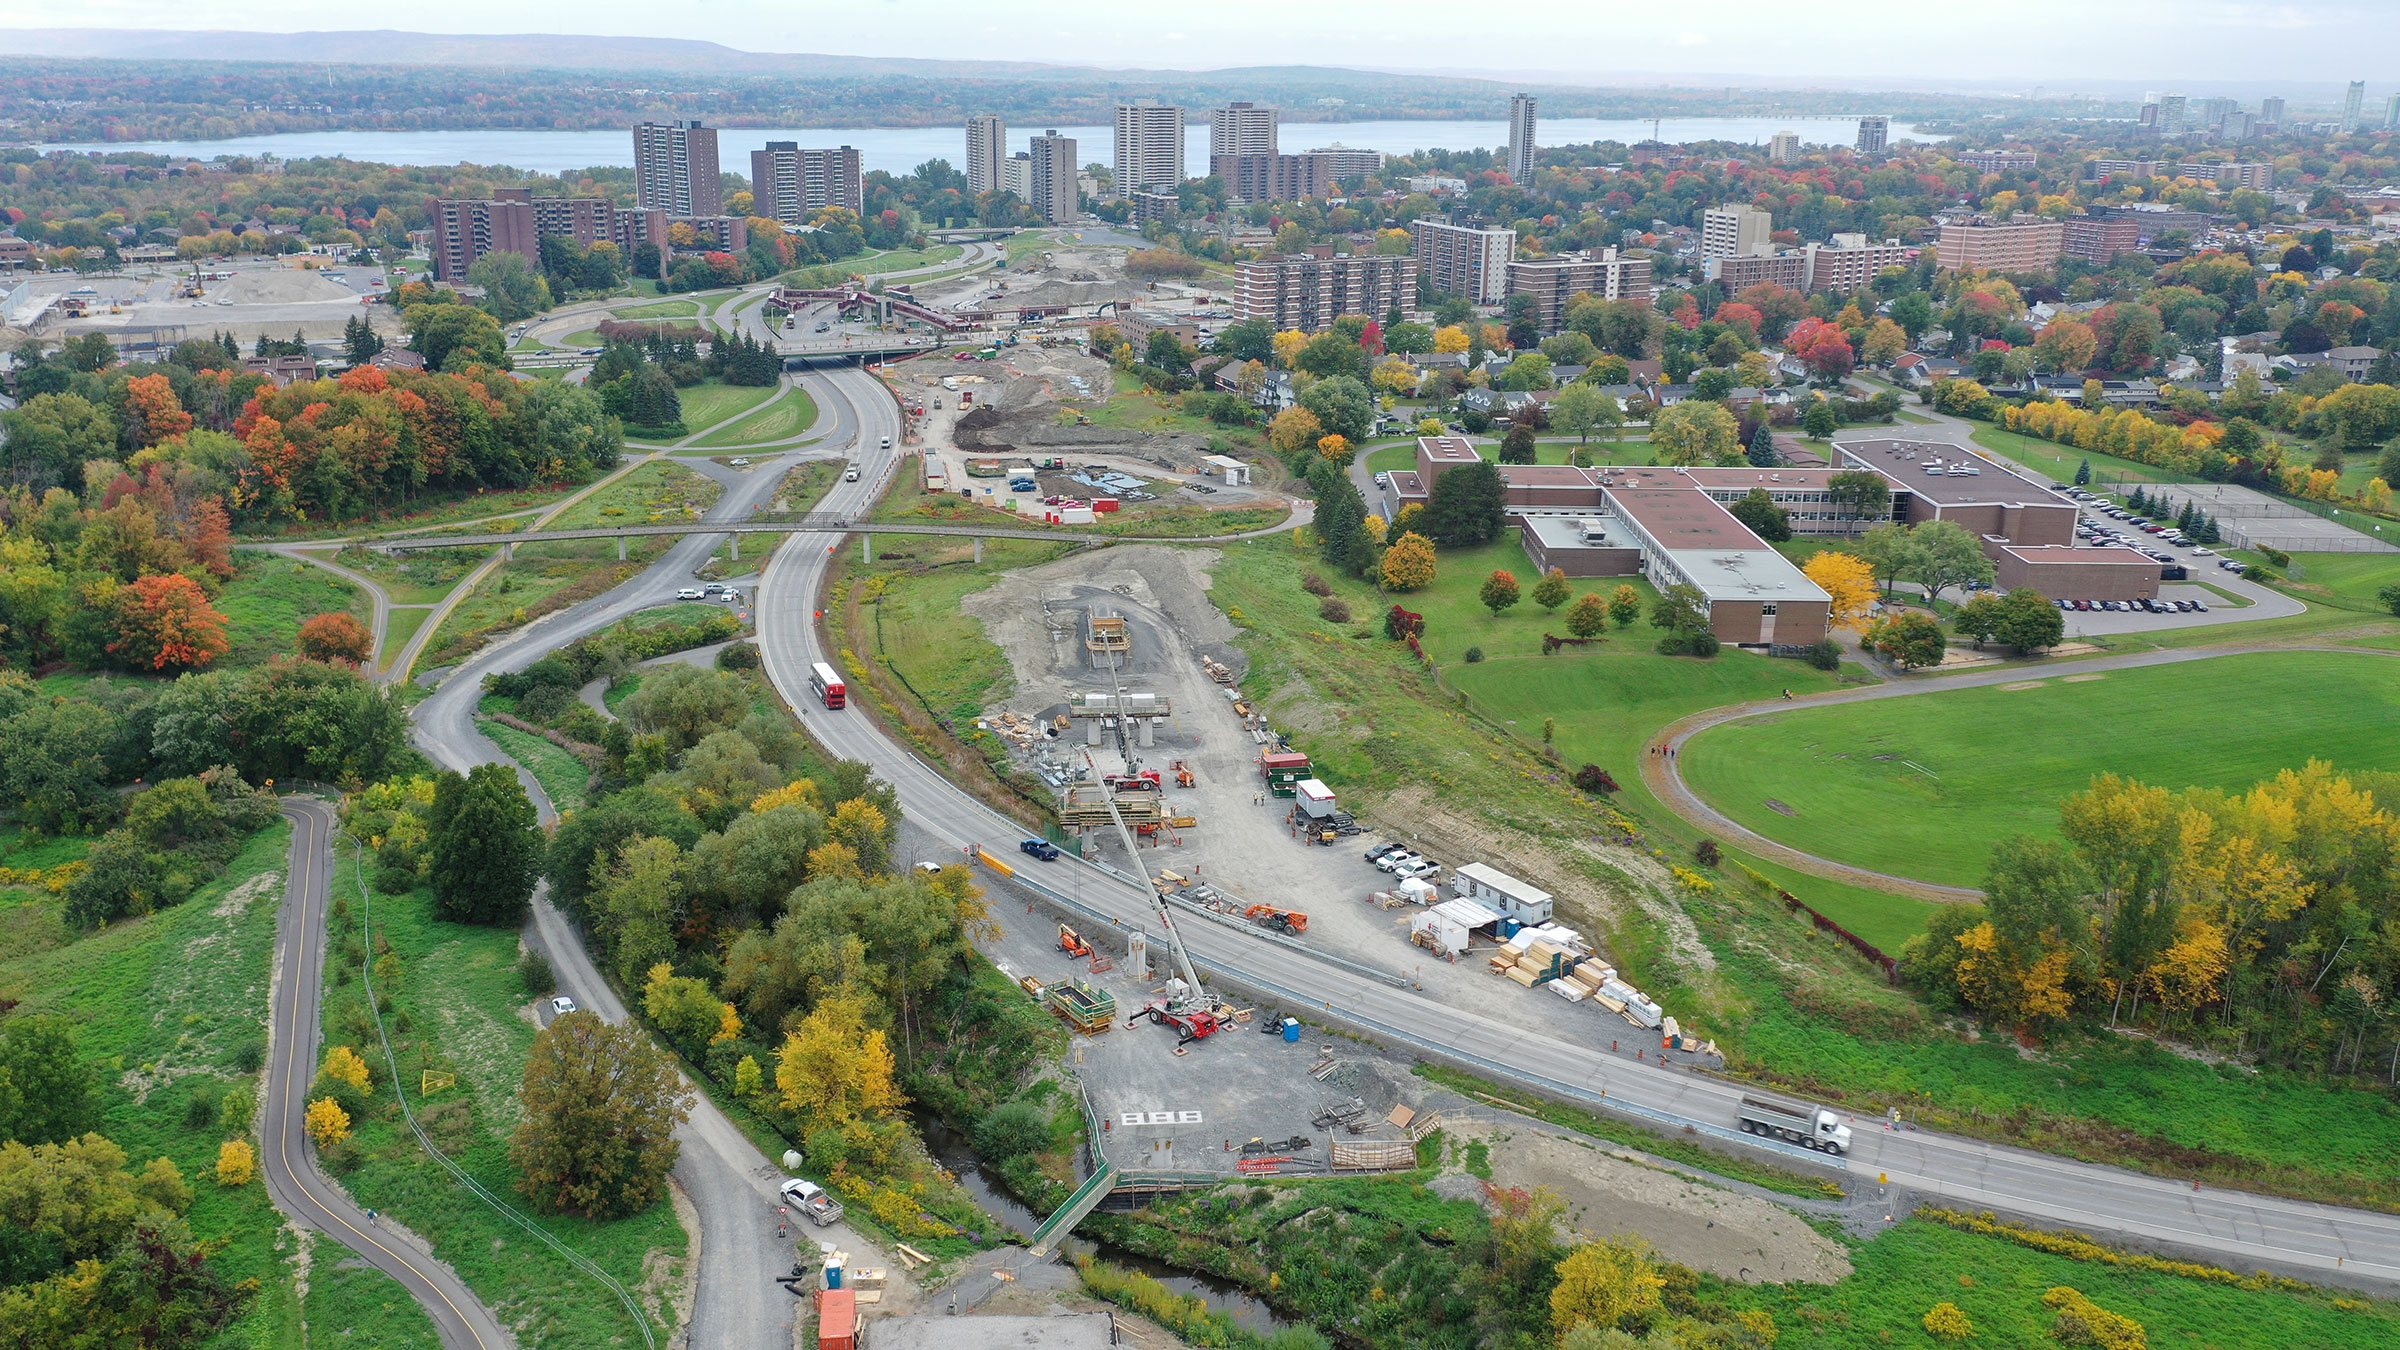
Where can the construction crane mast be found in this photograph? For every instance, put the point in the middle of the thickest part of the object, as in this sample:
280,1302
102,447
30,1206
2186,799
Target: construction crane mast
1187,1006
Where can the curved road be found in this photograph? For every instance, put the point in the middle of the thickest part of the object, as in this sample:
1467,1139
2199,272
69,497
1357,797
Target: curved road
731,1183
2231,1226
288,1159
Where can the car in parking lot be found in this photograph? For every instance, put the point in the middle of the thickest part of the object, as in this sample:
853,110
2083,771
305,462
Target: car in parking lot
2204,552
1038,848
1381,850
688,593
1421,867
1395,860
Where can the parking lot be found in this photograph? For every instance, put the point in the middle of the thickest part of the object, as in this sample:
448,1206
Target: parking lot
2188,603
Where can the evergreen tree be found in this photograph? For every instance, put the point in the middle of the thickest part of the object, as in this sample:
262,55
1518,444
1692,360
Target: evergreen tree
1762,448
2083,474
1341,516
486,844
1468,506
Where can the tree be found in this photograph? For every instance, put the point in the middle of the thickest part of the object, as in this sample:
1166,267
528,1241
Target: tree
1820,421
1695,433
1468,506
1947,554
360,342
1910,638
237,1163
328,1123
512,290
1765,519
1551,591
1580,408
486,844
45,1089
2028,621
336,636
684,1008
1342,406
453,336
1606,1285
2066,346
1763,454
835,1072
1332,446
1517,447
1499,591
1850,580
2083,473
1624,605
601,1105
1680,608
636,905
1294,432
1861,493
1979,618
685,703
164,622
1588,616
1408,563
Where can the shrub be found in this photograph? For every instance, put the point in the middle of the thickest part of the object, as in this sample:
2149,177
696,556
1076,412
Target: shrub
1704,644
1400,624
200,1109
533,971
249,1056
1316,585
1334,610
237,1163
1706,853
826,1150
1945,1322
1474,654
1673,644
1011,1130
237,1107
738,656
2083,1322
2275,555
1593,778
1825,654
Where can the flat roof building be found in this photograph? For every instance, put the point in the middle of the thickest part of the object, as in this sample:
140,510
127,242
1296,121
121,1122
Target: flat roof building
789,184
2001,246
1464,261
2100,238
1521,109
1244,129
1554,282
1274,178
675,169
987,145
1149,145
1994,161
1503,894
1874,134
1847,263
1755,596
1050,179
1350,162
1734,231
1307,292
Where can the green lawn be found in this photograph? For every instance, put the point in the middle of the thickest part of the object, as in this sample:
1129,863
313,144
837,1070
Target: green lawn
562,776
457,1009
659,309
780,420
705,405
2347,580
1999,1285
1924,786
270,597
416,577
399,625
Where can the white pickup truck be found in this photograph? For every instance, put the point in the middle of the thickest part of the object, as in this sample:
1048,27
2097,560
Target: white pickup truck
812,1201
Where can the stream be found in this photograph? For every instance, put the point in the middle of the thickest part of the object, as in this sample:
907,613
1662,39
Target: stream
952,1151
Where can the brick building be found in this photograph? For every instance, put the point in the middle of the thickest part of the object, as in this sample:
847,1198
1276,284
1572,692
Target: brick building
1554,282
788,183
675,169
2022,245
1308,292
1273,177
1463,260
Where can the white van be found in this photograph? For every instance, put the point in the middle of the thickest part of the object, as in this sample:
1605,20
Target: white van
887,442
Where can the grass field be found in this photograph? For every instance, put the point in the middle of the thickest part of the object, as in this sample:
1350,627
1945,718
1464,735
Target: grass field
437,509
2345,580
417,577
1924,786
705,405
659,309
780,420
896,260
399,625
562,776
1999,1285
269,598
460,997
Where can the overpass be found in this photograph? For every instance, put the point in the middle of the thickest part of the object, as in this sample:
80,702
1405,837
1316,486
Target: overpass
816,523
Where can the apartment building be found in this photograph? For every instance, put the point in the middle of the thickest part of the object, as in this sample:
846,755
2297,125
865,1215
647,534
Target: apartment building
1274,178
1244,129
788,183
1308,292
2173,110
1149,145
2252,174
2353,106
1464,261
1994,161
2000,246
1350,162
514,220
2098,239
1050,178
675,169
1521,109
1554,282
1783,147
1874,134
1734,230
987,145
2097,169
1150,206
1787,268
2270,113
1846,263
466,229
1016,176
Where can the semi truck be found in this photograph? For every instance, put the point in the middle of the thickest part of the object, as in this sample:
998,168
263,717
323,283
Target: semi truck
1810,1126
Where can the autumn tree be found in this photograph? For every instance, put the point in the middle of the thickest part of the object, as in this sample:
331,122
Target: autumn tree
152,412
165,622
636,904
1334,447
336,637
1582,408
1909,638
328,1123
1624,605
1850,580
237,1163
1552,590
1606,1285
1588,616
1294,431
601,1105
835,1072
1694,432
1499,591
1409,563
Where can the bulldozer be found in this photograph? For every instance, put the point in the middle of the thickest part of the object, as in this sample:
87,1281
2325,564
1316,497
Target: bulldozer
1072,943
1279,920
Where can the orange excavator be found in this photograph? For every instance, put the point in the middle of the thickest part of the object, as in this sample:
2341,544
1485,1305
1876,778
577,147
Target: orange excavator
1280,920
1072,943
1183,775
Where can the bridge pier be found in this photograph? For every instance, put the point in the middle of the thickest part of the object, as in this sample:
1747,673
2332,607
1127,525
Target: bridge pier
620,548
866,543
508,552
979,550
734,541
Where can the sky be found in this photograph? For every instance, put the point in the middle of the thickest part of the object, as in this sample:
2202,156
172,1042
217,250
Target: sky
2051,43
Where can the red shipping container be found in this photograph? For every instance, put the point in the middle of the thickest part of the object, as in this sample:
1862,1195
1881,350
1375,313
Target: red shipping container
1104,503
837,1319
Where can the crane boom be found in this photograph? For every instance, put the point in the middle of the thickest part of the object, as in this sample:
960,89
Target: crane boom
1194,995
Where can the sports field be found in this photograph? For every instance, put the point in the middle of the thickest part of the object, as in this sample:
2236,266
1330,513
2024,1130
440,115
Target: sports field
1923,786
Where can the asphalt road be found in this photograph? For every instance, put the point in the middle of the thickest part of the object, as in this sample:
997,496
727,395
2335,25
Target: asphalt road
2239,1229
289,1159
730,1182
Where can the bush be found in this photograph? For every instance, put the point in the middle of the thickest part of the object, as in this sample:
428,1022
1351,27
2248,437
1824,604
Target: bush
1706,853
1594,779
825,1151
237,1107
1946,1322
1010,1130
533,971
1826,654
2275,555
1316,585
1474,654
1334,610
200,1109
1673,644
249,1056
738,656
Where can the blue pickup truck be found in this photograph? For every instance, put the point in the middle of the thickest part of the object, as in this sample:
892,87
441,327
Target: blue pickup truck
1038,848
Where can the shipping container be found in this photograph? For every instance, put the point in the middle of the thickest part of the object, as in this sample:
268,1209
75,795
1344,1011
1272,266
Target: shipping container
837,1319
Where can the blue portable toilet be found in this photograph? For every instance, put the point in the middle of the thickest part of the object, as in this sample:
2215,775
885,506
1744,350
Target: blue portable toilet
1291,1030
1509,928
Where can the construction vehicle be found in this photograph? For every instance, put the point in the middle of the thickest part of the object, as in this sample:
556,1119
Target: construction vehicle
1183,775
1281,920
1072,943
1809,1126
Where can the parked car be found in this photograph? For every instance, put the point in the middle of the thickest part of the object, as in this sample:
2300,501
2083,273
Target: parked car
2200,606
561,1006
739,463
1421,867
1038,848
1380,850
688,593
1392,862
2204,552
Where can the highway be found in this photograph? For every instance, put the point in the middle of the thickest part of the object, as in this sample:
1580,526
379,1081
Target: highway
729,1181
288,1160
2234,1228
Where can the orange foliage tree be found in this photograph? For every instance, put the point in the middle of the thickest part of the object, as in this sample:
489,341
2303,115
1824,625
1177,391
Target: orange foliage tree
336,637
166,623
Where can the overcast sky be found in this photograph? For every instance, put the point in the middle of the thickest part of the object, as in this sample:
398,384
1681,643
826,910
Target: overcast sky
2053,43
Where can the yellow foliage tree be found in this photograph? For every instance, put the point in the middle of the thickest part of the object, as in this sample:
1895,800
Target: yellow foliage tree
860,825
1408,517
1287,346
2011,985
1376,528
1334,446
1850,580
237,1163
1293,429
1604,1283
343,1062
1396,374
1451,338
798,792
328,1123
1408,563
835,1071
834,860
2186,976
729,1027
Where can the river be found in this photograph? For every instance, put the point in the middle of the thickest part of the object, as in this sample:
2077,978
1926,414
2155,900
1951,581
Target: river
899,149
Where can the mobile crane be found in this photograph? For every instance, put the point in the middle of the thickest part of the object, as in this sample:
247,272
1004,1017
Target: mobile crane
1187,1007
